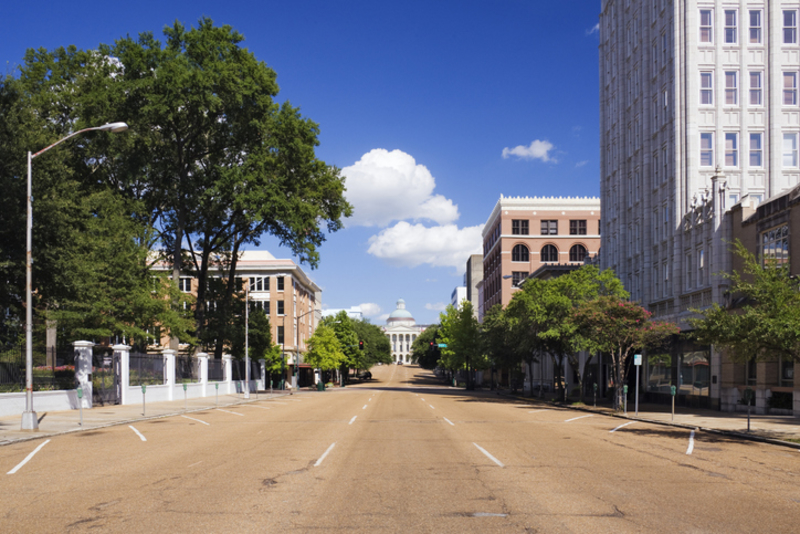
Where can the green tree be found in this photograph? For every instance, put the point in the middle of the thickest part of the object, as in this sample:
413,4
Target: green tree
460,331
618,327
342,326
377,348
764,322
324,350
422,353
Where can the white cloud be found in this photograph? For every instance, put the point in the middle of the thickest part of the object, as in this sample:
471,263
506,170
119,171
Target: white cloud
581,163
595,29
537,150
370,309
383,318
386,186
410,245
439,306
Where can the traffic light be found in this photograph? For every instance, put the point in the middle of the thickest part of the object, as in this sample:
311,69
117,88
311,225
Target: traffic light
360,345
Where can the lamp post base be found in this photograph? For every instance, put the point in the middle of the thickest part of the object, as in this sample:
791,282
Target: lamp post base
30,421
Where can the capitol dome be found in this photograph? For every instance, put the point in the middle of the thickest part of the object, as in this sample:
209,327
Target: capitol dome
401,316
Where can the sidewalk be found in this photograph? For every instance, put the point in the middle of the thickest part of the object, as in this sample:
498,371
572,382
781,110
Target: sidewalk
53,423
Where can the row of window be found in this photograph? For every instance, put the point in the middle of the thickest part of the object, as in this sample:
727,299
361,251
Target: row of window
257,283
549,253
548,227
755,26
264,305
756,94
756,150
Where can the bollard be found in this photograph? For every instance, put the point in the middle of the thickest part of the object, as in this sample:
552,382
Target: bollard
216,386
673,390
80,405
185,398
143,393
625,398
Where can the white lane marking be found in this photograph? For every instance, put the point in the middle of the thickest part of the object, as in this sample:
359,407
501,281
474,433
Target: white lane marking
198,420
576,418
492,458
138,433
256,406
28,458
276,402
432,408
353,419
369,400
423,400
449,421
691,443
318,462
537,411
621,426
228,411
196,463
365,407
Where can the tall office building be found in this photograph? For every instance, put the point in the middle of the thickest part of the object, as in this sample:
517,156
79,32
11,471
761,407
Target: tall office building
698,112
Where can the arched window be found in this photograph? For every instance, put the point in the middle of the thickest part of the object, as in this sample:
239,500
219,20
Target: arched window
520,253
549,253
577,253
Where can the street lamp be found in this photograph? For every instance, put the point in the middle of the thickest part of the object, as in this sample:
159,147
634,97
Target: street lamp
297,348
29,419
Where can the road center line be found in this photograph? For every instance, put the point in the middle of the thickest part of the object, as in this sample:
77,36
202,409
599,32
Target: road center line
621,426
138,433
576,418
365,407
492,458
324,455
353,419
432,408
449,421
194,464
198,420
28,458
228,411
691,443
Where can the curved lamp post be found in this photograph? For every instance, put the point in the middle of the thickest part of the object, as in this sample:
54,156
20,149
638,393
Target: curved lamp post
29,419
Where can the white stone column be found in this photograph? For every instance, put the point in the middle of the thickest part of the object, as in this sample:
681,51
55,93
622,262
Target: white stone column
202,358
169,372
124,353
227,370
263,364
83,370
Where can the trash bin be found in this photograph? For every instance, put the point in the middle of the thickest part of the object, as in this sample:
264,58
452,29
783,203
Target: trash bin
320,386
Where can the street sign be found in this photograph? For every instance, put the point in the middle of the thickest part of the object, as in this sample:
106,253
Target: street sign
637,359
442,345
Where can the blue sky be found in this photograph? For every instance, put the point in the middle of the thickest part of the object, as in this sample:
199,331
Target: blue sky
433,109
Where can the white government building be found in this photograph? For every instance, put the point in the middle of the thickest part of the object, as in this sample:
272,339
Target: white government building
402,330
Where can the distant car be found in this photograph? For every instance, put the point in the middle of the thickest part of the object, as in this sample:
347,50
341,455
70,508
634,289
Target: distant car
399,362
364,375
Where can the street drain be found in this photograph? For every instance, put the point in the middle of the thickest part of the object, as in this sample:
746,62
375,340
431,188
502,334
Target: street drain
487,514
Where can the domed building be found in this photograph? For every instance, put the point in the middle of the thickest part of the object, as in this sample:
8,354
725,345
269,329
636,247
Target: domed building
402,330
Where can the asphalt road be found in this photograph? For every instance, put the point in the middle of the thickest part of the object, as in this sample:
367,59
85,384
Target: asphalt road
399,453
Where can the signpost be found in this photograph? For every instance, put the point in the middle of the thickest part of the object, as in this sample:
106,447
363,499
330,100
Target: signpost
637,361
143,392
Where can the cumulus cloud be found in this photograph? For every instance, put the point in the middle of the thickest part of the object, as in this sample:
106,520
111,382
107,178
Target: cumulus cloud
439,306
537,150
594,29
383,318
581,163
410,245
370,309
386,186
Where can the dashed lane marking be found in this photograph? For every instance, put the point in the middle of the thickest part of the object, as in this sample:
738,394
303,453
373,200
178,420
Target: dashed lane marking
365,407
576,418
321,458
691,443
432,408
138,433
198,420
449,421
621,426
28,458
492,458
353,419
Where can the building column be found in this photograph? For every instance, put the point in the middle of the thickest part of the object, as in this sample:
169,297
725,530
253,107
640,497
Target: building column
83,370
202,359
227,372
169,372
124,353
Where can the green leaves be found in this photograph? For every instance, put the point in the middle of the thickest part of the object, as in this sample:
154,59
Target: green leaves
325,351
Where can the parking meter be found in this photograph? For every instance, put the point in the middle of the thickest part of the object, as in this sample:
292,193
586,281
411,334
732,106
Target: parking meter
673,390
625,398
80,403
144,410
595,394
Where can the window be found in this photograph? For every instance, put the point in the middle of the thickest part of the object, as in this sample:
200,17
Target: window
775,245
701,264
731,90
665,163
518,277
789,88
280,283
706,26
259,283
689,272
280,308
549,253
756,151
790,150
520,253
707,149
755,26
664,50
787,373
731,150
577,253
755,89
751,372
185,284
733,198
549,227
789,26
730,26
707,88
577,227
519,227
280,335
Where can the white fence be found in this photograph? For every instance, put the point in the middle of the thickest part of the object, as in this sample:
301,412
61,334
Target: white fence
14,403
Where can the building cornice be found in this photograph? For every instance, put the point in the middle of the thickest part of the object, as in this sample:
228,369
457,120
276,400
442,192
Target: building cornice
539,203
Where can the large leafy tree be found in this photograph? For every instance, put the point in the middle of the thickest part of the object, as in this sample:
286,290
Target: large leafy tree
425,355
616,326
764,320
324,349
342,326
460,331
377,348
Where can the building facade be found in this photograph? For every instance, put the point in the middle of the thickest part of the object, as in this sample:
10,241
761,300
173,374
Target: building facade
458,296
401,329
354,312
524,233
472,277
698,112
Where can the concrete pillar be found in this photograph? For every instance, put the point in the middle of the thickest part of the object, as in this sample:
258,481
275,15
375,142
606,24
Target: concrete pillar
227,372
124,353
264,378
169,372
202,359
83,370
